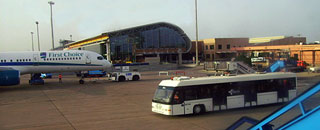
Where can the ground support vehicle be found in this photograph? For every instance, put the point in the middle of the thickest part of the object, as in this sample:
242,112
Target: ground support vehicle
280,65
123,76
36,79
46,75
94,73
314,69
185,95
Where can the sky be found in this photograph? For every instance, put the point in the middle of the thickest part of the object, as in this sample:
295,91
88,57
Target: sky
216,19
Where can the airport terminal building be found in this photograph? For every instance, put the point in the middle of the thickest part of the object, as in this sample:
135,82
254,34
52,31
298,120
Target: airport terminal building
163,40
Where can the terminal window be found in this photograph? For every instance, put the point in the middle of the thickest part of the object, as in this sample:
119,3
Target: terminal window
211,47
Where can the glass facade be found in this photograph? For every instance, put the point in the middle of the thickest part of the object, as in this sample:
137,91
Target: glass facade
123,46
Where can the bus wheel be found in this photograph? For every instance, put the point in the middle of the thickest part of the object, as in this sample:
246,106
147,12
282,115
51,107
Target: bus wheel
197,109
121,78
135,78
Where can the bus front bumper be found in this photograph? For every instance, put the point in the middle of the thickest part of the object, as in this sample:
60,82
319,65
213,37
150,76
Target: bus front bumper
161,108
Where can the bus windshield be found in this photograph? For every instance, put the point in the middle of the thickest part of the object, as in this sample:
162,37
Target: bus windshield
163,94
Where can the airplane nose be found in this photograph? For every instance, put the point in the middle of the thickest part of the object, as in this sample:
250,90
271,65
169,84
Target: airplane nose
107,64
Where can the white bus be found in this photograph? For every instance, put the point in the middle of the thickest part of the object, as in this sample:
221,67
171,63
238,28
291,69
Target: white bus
185,95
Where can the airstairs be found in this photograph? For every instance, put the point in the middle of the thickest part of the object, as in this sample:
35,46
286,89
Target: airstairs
243,68
301,113
234,67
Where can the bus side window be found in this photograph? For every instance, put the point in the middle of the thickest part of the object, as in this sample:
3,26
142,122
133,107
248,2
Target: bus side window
204,92
190,94
291,83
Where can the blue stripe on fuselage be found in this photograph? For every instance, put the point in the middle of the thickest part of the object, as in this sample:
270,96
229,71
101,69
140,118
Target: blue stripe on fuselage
43,64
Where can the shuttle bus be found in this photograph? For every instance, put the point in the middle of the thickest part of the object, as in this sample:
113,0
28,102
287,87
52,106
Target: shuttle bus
185,95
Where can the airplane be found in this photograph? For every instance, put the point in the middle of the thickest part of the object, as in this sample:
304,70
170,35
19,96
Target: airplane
39,62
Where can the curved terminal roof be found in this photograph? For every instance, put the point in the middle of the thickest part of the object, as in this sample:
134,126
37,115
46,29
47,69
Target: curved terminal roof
131,30
150,27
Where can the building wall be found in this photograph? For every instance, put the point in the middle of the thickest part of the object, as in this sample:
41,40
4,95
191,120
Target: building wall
94,48
233,42
192,52
223,46
285,41
209,49
219,48
311,57
317,58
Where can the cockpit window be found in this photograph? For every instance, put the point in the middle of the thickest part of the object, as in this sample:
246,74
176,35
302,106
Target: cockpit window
100,58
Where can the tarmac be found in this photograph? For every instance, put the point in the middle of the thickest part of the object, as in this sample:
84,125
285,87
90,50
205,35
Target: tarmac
101,104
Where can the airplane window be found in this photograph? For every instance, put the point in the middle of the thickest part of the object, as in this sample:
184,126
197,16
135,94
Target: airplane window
10,60
79,58
1,60
44,59
100,58
29,59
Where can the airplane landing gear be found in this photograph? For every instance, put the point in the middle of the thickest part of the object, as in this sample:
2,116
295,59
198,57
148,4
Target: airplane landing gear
80,74
81,81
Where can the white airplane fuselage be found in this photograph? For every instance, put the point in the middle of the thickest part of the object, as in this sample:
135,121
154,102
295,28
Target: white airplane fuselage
52,61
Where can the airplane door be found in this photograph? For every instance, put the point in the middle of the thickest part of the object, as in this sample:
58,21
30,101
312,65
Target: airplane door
88,60
35,59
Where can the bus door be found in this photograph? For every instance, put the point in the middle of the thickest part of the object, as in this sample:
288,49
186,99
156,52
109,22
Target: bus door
178,107
190,100
35,59
88,60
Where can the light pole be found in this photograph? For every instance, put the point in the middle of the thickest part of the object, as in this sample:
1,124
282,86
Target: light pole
196,10
38,35
32,41
51,3
71,38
